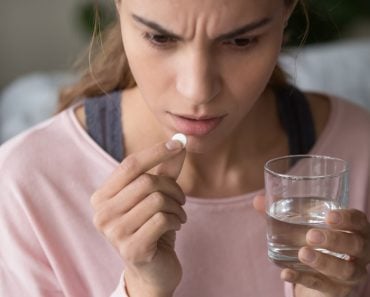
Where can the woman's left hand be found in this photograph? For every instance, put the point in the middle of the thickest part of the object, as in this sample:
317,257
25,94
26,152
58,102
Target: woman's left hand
348,233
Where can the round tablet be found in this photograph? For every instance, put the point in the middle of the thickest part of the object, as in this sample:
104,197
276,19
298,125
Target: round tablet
180,137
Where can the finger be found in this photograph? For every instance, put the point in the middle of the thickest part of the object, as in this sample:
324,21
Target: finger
134,193
146,184
259,203
149,234
337,241
145,210
133,166
315,282
171,167
350,220
331,266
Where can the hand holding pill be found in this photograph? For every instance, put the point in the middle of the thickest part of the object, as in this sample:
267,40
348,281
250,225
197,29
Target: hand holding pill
139,214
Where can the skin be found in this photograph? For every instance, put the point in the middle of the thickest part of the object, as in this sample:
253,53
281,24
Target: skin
139,208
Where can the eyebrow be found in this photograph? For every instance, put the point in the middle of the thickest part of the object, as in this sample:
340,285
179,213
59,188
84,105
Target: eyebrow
235,33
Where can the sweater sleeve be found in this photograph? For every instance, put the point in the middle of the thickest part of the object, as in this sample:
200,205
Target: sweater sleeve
289,290
121,288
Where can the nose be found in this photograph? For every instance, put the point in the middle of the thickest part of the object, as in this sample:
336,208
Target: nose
197,78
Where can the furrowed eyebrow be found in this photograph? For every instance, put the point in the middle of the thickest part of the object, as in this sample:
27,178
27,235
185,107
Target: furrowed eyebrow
245,29
155,27
235,33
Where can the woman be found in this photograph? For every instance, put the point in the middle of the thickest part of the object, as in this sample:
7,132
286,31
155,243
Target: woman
206,69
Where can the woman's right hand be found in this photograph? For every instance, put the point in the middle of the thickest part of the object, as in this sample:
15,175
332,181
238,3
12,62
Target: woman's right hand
139,212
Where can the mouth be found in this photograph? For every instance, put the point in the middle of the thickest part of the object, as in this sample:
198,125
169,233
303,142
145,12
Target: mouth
195,125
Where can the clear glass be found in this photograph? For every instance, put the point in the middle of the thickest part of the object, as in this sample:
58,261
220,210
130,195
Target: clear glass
300,191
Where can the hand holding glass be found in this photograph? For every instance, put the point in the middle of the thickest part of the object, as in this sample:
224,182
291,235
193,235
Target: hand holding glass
300,191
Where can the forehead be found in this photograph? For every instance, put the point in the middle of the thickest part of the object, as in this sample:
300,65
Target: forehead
210,6
215,15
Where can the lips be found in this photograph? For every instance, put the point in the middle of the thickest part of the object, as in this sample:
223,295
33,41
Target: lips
197,126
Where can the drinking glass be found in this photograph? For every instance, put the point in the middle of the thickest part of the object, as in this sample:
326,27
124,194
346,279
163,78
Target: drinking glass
300,191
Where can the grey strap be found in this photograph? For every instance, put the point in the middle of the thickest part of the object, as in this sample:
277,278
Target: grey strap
104,125
296,118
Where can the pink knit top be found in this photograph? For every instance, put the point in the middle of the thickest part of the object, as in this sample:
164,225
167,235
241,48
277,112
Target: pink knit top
49,246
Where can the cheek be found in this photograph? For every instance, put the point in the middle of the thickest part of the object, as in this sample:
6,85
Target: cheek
141,66
254,69
144,65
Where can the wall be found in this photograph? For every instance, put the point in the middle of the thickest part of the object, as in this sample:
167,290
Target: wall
38,35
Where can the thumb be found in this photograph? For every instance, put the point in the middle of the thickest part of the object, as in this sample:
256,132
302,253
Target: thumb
259,203
172,167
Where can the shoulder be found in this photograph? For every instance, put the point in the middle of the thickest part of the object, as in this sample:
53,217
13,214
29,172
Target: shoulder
351,126
36,149
347,108
346,134
350,118
334,113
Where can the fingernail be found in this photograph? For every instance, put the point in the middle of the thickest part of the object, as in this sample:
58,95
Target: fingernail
289,276
173,145
308,255
316,237
334,218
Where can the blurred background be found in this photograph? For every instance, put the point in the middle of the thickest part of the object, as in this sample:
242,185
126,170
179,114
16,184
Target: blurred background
40,40
41,35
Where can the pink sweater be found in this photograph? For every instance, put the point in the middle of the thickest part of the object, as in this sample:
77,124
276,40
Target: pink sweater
49,246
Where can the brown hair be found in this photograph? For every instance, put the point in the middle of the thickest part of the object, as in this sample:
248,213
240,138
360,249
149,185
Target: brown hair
108,70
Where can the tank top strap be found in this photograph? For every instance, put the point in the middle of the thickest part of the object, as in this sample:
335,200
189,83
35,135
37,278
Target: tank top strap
104,125
296,119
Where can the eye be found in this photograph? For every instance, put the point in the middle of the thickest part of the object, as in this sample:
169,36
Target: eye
242,43
158,40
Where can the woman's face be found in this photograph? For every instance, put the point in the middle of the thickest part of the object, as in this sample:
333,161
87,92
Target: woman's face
207,60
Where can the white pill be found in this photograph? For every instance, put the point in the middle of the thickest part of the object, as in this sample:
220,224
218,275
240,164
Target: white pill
180,137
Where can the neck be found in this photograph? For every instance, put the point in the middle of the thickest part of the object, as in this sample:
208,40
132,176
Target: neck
236,166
